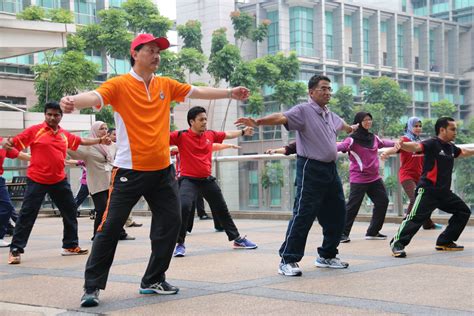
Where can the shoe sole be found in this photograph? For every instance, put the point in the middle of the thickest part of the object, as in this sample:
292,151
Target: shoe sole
399,255
90,303
14,262
179,255
345,241
375,238
443,248
74,254
286,274
149,291
319,265
238,247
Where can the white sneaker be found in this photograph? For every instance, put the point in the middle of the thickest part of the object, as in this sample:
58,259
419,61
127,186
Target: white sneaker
290,269
4,244
333,263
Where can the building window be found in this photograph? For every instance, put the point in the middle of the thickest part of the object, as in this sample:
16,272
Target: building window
13,100
434,94
459,4
301,31
439,6
404,86
462,95
400,44
433,66
366,40
383,27
420,7
49,4
329,36
11,6
417,62
449,94
348,21
273,45
84,11
419,93
352,82
116,3
253,183
120,66
385,59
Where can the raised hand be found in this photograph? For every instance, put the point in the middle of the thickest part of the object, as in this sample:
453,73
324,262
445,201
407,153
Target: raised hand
67,104
239,93
246,121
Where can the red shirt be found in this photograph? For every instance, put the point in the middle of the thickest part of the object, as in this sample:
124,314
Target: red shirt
195,151
411,164
8,154
48,151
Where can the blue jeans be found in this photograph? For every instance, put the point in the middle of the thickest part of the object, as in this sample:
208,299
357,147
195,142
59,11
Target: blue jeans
319,195
6,207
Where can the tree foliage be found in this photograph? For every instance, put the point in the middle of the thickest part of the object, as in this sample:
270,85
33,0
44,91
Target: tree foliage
287,93
170,67
32,13
245,28
191,34
224,62
219,40
192,59
144,17
342,103
255,104
61,15
272,174
443,108
244,75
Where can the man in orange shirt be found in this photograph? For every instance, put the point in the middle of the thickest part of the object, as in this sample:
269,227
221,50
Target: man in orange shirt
141,102
49,143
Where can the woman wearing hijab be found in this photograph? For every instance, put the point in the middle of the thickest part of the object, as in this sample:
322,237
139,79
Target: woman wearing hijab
411,166
98,160
364,177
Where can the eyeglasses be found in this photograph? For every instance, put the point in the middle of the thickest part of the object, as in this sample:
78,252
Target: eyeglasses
367,120
324,89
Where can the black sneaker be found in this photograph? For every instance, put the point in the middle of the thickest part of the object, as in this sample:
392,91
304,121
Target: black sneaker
345,238
90,298
159,288
449,247
379,236
398,251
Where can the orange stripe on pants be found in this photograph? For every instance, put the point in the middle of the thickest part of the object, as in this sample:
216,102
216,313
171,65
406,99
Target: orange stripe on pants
111,187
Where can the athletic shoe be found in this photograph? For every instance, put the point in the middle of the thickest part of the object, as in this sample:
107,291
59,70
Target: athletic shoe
4,243
126,237
333,263
204,217
345,238
180,250
379,236
14,257
449,247
159,288
437,226
289,269
90,298
74,251
398,251
218,230
135,224
244,243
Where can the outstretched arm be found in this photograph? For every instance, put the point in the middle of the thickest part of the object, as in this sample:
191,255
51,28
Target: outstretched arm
272,119
466,152
104,140
209,93
79,101
387,153
409,146
219,147
248,131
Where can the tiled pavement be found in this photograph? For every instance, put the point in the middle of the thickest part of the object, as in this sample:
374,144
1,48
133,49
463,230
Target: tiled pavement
215,279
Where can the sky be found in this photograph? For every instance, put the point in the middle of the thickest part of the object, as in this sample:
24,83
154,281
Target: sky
167,8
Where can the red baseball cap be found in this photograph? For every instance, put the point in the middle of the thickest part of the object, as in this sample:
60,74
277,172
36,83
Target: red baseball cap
162,42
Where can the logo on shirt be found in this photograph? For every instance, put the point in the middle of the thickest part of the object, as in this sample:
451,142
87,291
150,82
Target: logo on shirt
162,95
442,153
123,179
208,141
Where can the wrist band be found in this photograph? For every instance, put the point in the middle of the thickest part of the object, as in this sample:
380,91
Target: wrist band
243,132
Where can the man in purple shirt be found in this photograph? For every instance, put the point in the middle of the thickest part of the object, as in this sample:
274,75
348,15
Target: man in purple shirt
319,191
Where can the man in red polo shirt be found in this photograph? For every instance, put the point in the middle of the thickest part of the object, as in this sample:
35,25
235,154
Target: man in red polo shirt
195,148
49,143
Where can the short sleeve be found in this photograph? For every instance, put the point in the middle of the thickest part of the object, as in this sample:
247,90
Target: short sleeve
25,138
73,141
12,153
385,142
345,145
174,138
338,122
219,137
296,118
429,146
179,91
107,92
456,151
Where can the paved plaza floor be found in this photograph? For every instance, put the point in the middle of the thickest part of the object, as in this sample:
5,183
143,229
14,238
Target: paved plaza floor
215,279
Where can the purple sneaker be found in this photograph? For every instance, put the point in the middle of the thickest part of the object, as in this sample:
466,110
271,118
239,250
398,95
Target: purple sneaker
180,250
244,243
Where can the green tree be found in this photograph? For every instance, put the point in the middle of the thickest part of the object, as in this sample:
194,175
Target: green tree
223,63
255,105
32,13
267,74
244,75
144,16
106,115
342,103
61,15
387,92
244,27
192,60
288,93
66,74
170,67
443,108
191,34
289,66
219,40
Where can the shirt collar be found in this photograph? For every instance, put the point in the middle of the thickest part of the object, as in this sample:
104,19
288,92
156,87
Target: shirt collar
46,127
137,76
319,109
192,133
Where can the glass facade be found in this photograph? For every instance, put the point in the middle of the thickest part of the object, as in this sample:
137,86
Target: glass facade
11,6
365,32
273,45
49,4
85,11
329,36
449,94
419,94
116,3
301,30
400,46
420,7
439,6
460,4
434,94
